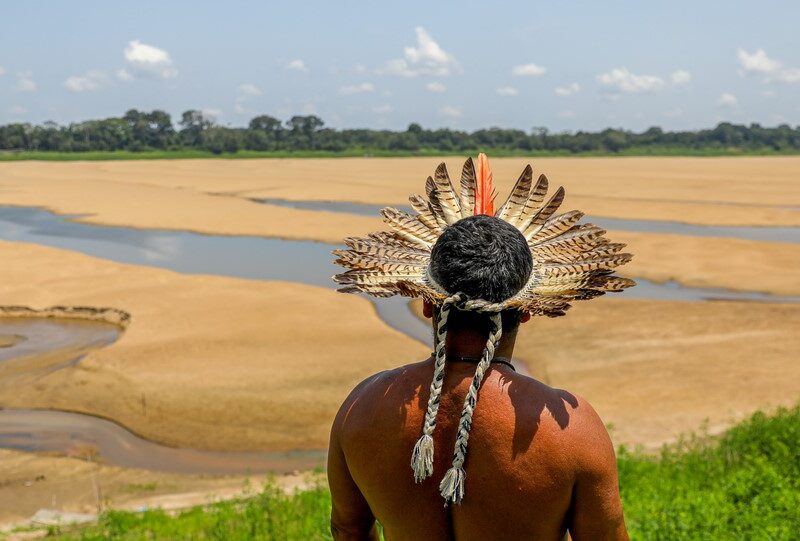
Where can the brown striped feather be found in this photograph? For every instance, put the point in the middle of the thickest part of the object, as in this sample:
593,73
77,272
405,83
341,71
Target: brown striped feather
408,227
533,203
556,225
543,214
433,202
517,198
446,195
467,192
425,213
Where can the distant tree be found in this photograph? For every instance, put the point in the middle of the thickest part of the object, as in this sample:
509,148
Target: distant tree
265,123
142,130
193,123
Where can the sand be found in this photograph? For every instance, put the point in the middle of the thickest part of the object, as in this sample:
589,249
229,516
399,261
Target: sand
213,196
8,340
721,191
655,370
233,364
29,482
221,363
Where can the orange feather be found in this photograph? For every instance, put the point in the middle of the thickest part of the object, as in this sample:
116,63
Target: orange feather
484,190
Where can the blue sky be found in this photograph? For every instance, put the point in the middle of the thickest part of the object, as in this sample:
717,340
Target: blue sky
467,65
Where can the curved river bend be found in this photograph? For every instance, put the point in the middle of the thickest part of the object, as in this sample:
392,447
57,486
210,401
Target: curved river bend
243,257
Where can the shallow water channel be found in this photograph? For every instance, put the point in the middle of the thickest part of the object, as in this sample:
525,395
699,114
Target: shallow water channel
244,257
771,234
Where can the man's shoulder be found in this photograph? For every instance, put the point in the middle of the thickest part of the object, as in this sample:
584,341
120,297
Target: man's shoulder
379,384
568,414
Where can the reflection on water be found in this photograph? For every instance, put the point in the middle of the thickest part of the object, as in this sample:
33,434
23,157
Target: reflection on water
191,253
673,291
244,257
772,234
73,337
79,435
307,262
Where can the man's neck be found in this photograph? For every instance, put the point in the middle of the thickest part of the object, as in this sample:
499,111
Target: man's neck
470,343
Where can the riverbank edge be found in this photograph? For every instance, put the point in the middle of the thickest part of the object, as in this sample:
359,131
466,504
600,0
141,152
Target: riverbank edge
368,153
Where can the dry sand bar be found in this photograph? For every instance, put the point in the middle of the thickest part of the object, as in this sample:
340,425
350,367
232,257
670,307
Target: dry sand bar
180,348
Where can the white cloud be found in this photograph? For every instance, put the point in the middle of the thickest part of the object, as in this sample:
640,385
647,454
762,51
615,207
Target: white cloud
297,65
25,82
361,88
2,70
213,114
451,111
620,80
240,109
249,90
507,91
567,114
382,109
568,90
727,100
17,110
245,93
757,62
124,75
674,113
359,69
790,75
436,87
680,77
147,62
425,58
769,93
527,70
88,82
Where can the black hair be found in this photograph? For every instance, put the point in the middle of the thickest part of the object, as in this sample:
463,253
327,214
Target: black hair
485,258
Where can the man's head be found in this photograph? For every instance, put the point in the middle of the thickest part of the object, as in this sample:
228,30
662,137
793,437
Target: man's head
485,258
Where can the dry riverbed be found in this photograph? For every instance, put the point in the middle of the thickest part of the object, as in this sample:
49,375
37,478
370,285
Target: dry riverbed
214,197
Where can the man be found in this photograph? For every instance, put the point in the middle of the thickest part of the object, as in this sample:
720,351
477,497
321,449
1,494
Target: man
540,460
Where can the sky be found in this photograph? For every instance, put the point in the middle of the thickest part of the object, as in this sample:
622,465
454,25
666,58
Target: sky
565,65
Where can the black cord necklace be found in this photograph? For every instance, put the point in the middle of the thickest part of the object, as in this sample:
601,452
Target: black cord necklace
476,360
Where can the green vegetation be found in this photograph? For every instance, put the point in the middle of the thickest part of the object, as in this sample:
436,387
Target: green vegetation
152,135
746,485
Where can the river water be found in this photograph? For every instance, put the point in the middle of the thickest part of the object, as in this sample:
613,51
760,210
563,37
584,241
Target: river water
770,234
307,262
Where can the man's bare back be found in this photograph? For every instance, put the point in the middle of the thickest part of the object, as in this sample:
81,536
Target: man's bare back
540,461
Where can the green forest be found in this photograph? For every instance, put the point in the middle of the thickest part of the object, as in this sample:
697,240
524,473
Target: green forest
154,132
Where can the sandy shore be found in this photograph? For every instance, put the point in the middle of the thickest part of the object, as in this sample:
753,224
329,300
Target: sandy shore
29,482
693,190
212,196
6,341
220,363
656,369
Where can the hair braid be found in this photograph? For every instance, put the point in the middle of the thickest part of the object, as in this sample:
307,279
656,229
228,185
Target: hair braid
452,485
422,456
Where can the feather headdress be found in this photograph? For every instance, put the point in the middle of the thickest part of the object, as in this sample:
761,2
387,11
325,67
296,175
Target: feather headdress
571,261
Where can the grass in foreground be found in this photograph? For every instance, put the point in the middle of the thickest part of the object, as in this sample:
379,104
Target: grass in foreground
744,486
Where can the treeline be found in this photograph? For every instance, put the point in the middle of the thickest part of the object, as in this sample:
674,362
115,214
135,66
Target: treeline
140,131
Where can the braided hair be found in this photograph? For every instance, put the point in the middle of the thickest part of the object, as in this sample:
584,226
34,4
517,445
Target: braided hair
480,261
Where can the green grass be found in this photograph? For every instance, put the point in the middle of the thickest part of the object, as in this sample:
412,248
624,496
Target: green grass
361,152
745,485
